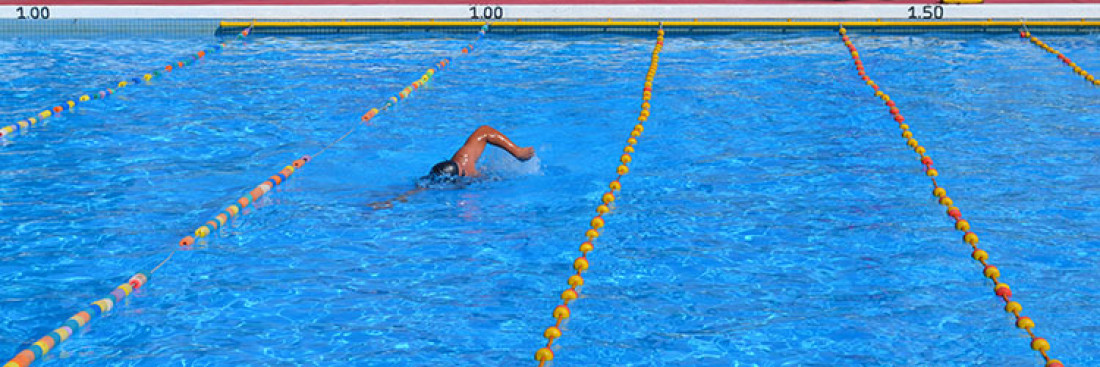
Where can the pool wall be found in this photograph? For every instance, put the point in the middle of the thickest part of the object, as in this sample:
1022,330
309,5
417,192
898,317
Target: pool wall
359,16
557,10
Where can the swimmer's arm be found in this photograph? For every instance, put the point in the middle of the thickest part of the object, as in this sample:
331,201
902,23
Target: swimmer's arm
467,156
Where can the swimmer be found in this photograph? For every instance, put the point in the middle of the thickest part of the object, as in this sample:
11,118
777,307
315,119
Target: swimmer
464,161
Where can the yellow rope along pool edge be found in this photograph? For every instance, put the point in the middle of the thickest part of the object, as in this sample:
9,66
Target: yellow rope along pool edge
580,264
663,24
1001,289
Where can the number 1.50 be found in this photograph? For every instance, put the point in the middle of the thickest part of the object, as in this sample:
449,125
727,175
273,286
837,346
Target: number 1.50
927,12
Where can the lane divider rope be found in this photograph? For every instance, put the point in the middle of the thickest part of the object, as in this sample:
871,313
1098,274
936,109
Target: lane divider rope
1000,288
25,124
580,264
43,346
1025,33
414,86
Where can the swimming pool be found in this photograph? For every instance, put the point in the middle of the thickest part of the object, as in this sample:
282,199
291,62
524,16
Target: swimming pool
772,215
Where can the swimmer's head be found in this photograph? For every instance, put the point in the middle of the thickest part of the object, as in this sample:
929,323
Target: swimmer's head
445,169
443,174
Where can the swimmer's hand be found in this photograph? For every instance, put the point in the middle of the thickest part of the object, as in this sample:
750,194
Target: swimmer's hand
524,154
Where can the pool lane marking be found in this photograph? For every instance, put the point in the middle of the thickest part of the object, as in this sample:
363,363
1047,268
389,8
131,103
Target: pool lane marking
24,124
43,346
1001,289
580,264
1025,33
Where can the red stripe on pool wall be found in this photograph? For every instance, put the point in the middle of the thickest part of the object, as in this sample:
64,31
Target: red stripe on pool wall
509,2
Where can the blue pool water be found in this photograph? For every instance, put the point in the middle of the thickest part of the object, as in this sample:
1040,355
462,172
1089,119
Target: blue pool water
773,215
